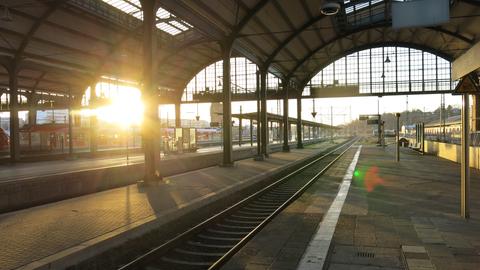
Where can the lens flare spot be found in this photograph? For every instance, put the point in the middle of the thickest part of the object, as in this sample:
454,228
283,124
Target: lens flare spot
372,179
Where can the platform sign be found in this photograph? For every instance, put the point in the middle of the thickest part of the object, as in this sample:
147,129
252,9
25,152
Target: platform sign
368,116
332,91
372,122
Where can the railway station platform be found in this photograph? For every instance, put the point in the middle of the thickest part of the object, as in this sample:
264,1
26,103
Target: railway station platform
28,184
395,216
56,235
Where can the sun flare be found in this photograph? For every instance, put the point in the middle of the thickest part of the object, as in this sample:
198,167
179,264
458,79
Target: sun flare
124,107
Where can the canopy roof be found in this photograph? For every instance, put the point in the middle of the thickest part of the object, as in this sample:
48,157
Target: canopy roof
67,45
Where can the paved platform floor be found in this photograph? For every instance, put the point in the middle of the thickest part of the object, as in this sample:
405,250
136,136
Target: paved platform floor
413,203
35,234
23,170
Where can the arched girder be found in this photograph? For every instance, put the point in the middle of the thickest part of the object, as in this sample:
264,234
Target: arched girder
295,34
36,25
337,38
371,46
214,60
245,20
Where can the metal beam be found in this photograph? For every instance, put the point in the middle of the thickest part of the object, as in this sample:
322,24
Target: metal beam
245,20
466,63
333,40
295,34
36,25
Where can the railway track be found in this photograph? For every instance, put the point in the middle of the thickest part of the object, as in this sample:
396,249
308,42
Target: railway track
211,243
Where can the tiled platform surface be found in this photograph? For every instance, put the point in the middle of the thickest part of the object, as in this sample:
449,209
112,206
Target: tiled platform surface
416,203
413,203
45,233
24,170
281,244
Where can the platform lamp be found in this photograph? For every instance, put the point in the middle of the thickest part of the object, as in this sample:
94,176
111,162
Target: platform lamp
197,117
314,113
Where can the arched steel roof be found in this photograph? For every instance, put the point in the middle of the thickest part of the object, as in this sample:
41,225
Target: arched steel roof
69,44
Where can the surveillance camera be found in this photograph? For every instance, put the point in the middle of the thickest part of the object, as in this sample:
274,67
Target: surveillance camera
330,8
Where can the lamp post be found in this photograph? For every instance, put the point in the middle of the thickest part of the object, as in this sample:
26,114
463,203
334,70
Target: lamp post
397,135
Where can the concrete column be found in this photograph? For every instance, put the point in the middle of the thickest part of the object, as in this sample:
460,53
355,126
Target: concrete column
263,107
14,124
299,122
227,106
465,159
93,122
286,126
151,121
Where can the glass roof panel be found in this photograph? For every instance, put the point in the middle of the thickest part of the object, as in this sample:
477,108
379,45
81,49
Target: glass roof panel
168,28
167,22
352,5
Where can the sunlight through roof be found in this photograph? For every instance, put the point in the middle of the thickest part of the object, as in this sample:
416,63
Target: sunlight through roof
166,21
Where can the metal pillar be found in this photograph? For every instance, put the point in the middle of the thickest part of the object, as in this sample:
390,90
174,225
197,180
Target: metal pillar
263,101
227,106
93,122
14,124
32,114
397,136
285,147
251,132
331,123
259,121
465,159
476,112
70,128
299,122
240,129
151,120
178,117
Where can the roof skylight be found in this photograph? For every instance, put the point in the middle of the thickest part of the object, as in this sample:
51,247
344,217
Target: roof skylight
357,5
166,21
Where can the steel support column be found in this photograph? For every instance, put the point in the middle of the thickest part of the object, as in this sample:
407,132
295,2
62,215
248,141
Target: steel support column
476,112
259,156
286,84
263,107
251,132
240,128
93,122
70,127
178,119
299,122
151,121
465,159
227,105
14,124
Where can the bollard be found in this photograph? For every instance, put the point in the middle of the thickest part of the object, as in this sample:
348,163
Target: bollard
397,135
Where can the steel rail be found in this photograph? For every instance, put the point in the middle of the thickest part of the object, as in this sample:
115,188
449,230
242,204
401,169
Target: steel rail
151,255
